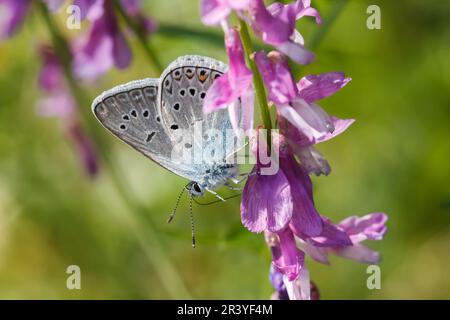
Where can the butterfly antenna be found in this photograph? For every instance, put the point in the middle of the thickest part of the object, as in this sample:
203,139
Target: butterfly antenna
172,215
192,221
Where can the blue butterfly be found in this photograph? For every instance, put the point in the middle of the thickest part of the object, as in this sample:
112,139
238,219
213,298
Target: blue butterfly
160,118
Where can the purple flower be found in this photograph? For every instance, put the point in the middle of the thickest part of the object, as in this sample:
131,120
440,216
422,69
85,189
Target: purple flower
13,15
216,11
233,85
368,227
271,202
309,119
104,47
276,26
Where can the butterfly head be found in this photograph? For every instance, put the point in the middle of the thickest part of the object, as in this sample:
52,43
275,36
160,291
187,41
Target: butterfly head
195,189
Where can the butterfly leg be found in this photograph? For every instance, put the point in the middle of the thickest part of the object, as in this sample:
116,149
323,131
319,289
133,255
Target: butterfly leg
216,194
243,176
229,186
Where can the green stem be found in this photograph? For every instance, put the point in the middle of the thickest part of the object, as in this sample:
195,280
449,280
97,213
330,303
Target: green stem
147,238
257,80
141,36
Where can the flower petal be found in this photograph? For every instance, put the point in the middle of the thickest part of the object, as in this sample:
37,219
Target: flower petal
368,227
358,252
340,125
317,87
299,289
235,82
296,51
266,202
213,11
332,236
305,218
312,160
317,253
277,77
273,30
289,259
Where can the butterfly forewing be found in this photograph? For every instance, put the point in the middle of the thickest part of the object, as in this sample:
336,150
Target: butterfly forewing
183,88
157,117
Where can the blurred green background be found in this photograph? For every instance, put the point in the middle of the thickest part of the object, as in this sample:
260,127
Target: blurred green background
394,159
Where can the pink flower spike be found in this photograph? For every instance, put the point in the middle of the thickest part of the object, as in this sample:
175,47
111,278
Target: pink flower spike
215,11
236,82
317,87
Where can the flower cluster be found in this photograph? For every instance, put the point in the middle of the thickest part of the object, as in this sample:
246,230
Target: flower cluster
91,54
281,205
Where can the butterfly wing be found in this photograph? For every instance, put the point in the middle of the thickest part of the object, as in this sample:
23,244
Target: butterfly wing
183,86
150,115
130,112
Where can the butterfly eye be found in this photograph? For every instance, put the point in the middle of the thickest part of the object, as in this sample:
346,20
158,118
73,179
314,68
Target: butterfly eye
197,188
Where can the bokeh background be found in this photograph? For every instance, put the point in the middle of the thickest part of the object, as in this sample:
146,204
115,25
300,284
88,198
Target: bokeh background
394,159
